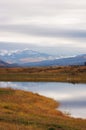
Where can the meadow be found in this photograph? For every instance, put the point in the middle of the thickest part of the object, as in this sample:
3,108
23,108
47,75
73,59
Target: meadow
21,110
74,74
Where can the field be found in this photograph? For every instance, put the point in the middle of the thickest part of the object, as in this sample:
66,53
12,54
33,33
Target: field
74,74
20,110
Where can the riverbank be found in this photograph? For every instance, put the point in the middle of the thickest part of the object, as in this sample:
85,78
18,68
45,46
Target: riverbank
74,74
28,111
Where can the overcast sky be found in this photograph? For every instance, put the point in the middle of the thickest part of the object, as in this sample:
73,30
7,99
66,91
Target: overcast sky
45,23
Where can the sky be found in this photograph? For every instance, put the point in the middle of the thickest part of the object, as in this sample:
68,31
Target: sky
54,26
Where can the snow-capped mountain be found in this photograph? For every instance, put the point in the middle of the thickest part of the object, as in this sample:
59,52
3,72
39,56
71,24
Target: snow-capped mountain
75,60
28,57
23,56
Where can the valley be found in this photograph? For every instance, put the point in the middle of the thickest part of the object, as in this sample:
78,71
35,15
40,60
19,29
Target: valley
28,110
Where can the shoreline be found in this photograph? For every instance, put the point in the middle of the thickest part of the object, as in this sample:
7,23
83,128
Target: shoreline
28,111
70,74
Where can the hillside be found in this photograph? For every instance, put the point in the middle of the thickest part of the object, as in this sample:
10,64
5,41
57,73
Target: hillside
7,65
26,58
20,110
3,64
23,56
76,60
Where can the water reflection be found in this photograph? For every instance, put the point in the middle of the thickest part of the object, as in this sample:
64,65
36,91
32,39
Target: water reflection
72,97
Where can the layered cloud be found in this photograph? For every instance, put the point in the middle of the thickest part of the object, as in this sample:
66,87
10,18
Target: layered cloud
46,23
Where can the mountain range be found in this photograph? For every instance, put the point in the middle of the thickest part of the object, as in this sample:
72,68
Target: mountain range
30,58
23,56
3,64
77,60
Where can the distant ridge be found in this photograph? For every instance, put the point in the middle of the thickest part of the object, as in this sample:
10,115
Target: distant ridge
77,60
30,58
23,56
3,64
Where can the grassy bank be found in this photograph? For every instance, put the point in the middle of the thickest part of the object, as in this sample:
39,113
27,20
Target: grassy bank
61,74
20,110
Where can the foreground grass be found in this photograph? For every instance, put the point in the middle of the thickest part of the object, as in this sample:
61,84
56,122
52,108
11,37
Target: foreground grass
62,74
20,110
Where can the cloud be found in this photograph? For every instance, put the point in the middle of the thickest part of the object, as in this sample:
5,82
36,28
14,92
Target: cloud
43,35
36,30
47,23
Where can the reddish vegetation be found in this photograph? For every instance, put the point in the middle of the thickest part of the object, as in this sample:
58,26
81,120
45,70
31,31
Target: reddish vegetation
44,69
60,74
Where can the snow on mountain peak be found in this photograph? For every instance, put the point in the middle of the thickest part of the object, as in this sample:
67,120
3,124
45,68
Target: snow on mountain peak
25,51
8,52
3,52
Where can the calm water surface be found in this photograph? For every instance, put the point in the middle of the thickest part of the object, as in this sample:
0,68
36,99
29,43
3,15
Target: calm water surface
71,96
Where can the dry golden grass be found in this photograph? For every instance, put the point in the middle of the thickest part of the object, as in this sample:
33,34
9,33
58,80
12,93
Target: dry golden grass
20,110
44,69
61,74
